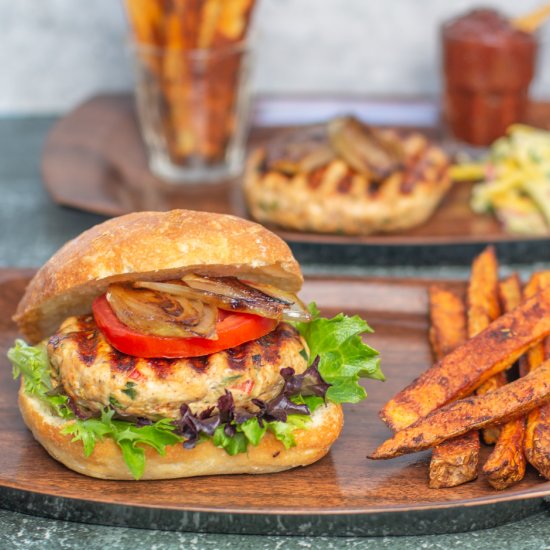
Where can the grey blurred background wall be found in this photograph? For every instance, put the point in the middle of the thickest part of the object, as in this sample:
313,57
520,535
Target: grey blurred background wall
55,53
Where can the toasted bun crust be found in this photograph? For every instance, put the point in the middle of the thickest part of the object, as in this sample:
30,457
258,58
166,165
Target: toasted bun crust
205,459
156,246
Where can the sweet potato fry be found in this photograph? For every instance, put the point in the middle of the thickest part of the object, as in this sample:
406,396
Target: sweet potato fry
455,461
537,440
468,366
447,320
495,382
235,18
483,309
535,356
210,16
532,358
509,291
482,298
537,432
491,434
506,464
511,401
145,17
189,14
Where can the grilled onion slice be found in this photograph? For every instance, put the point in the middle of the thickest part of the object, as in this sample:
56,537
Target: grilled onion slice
364,148
163,314
237,295
295,309
231,294
267,301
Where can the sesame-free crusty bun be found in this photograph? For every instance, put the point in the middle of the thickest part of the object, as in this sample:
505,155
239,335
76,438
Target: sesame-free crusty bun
106,461
155,246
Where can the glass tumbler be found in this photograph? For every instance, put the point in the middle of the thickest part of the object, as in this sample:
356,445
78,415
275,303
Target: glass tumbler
193,108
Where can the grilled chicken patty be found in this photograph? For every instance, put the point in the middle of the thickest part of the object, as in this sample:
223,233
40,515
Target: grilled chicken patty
335,198
94,374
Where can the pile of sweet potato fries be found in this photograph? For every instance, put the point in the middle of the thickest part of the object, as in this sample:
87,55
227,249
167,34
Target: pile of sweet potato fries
477,341
191,52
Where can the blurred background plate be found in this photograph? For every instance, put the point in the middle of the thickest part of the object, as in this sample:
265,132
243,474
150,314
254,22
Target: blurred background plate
94,160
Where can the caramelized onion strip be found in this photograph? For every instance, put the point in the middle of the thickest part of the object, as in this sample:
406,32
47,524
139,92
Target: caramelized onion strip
295,309
152,312
231,294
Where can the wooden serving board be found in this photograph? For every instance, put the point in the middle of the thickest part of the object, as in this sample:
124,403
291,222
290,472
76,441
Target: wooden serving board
343,494
94,159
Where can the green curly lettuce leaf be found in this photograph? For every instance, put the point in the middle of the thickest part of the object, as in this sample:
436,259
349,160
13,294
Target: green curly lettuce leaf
129,437
343,356
252,432
32,363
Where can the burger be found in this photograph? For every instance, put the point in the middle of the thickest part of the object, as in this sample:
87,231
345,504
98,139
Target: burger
172,344
346,177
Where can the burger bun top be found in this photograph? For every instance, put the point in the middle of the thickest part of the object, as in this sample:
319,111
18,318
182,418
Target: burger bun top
151,246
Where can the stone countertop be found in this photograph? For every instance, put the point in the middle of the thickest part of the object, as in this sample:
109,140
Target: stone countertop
21,531
33,228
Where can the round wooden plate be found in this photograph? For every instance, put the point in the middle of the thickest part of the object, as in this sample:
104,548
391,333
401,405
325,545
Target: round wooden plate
343,494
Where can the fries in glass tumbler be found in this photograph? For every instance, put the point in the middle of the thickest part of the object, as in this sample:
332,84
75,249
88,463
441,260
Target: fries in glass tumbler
192,68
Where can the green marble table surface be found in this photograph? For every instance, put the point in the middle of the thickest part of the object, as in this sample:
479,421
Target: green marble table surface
21,531
32,228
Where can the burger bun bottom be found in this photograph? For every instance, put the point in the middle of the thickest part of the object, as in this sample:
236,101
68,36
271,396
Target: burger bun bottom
106,461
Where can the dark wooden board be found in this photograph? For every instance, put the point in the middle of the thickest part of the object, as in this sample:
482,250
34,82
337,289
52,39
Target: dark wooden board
343,494
94,160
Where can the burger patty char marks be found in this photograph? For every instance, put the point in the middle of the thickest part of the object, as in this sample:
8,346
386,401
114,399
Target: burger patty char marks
335,197
96,375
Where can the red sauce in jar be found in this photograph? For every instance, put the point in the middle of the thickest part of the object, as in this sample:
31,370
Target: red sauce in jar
488,65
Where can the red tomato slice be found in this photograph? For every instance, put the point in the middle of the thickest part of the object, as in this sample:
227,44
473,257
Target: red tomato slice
232,328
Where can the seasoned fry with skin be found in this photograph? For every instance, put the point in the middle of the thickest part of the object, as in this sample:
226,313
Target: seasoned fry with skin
455,461
468,366
447,320
532,358
146,20
510,401
492,433
537,440
190,15
537,432
509,291
482,298
495,382
211,13
234,19
535,356
483,309
506,464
